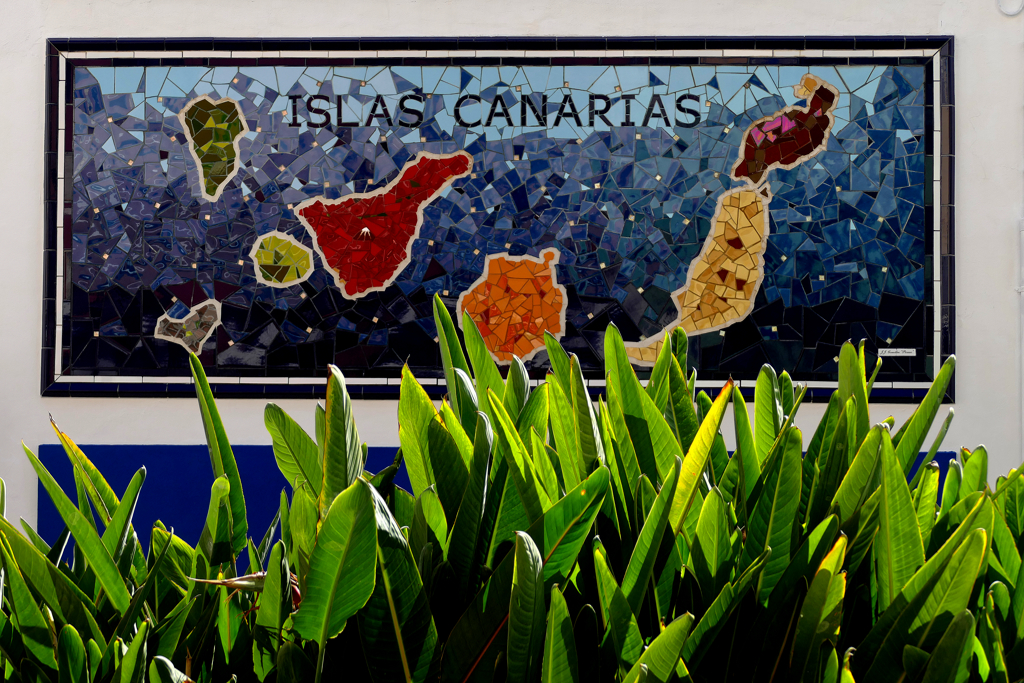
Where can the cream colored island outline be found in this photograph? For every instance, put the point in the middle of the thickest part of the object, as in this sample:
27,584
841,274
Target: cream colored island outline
724,278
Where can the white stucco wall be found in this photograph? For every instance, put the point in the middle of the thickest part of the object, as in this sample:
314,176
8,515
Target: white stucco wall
989,187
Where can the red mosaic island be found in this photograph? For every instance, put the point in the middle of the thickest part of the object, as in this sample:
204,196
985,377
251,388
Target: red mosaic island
365,239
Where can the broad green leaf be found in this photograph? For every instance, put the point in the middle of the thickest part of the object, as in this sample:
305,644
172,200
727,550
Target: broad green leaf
341,568
926,498
697,458
743,465
662,654
679,411
1005,548
626,453
616,616
343,452
99,491
115,537
468,401
559,663
559,363
934,448
805,562
860,480
719,457
452,357
161,670
975,473
820,612
657,385
221,455
429,524
545,470
909,446
534,414
589,437
559,535
564,429
641,562
526,612
767,411
168,633
774,513
853,383
943,664
621,479
71,656
951,487
711,555
453,424
484,370
274,606
396,627
133,663
517,388
520,464
297,455
431,453
930,613
786,393
898,549
215,540
624,394
465,547
86,538
31,624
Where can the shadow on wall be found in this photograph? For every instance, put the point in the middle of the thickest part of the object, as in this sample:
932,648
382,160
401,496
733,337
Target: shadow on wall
177,486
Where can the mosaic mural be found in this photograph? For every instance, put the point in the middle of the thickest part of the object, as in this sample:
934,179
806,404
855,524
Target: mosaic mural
275,218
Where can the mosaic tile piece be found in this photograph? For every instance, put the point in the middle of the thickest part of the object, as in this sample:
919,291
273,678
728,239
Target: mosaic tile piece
515,302
365,238
192,330
213,129
280,260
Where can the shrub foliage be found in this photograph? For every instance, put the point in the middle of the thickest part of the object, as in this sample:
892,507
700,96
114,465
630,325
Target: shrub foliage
548,537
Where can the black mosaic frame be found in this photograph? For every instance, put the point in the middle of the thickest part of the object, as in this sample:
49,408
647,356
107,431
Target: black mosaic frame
57,208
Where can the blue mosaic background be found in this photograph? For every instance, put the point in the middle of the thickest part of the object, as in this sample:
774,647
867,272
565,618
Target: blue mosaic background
628,207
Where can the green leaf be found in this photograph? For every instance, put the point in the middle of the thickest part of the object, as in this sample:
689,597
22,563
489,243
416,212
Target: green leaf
916,429
559,535
468,401
71,658
682,417
943,664
161,670
926,498
168,633
934,448
697,458
711,555
466,549
535,500
786,393
274,607
820,612
898,549
975,473
297,455
534,415
618,619
115,537
662,654
221,456
484,369
853,383
559,363
805,562
341,568
452,357
767,411
543,463
99,491
951,487
624,394
719,455
860,480
743,465
563,427
641,562
133,664
517,388
429,524
589,437
396,628
31,624
657,385
559,663
931,612
86,538
343,452
526,612
774,514
215,540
